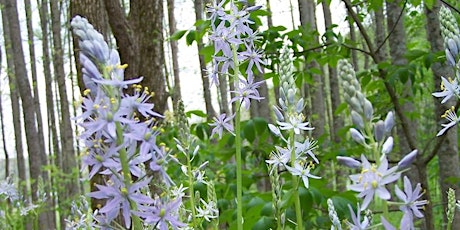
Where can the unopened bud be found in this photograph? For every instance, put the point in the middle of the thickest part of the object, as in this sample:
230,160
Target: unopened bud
389,122
407,160
355,105
275,130
357,136
291,96
349,162
278,114
387,146
357,119
299,106
452,46
379,130
368,110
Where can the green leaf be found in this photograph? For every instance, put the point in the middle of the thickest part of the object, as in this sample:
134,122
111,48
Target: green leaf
261,124
195,112
340,108
190,38
178,35
207,53
249,131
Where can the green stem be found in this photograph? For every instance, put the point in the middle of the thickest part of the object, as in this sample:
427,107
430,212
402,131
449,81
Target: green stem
295,184
239,177
191,189
126,173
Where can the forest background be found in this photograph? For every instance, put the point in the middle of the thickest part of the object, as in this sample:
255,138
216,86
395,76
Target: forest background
395,47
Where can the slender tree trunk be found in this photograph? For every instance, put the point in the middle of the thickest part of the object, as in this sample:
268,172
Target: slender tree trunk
16,110
53,136
448,159
37,156
354,55
5,151
337,121
198,4
318,110
33,68
176,94
379,20
68,161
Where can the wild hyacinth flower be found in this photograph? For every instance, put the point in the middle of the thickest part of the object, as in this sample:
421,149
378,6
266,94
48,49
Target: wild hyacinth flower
118,145
372,180
357,224
411,203
451,116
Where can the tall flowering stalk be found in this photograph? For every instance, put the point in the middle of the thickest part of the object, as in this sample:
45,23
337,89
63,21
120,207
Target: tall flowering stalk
187,145
233,40
449,86
373,180
297,155
120,146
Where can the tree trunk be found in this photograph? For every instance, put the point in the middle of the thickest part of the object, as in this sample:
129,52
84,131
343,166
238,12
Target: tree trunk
379,20
176,94
337,121
448,160
16,110
354,55
68,161
33,68
149,36
318,110
7,157
37,156
53,136
198,4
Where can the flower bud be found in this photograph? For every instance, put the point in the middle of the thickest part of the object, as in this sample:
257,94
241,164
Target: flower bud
355,105
291,96
299,106
389,122
357,136
357,120
379,130
452,46
387,146
368,110
275,130
450,58
278,114
407,160
349,162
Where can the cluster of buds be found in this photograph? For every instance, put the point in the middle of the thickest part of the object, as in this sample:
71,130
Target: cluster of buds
451,34
353,95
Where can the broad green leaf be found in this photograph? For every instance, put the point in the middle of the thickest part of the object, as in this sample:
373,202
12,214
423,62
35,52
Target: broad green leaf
178,35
